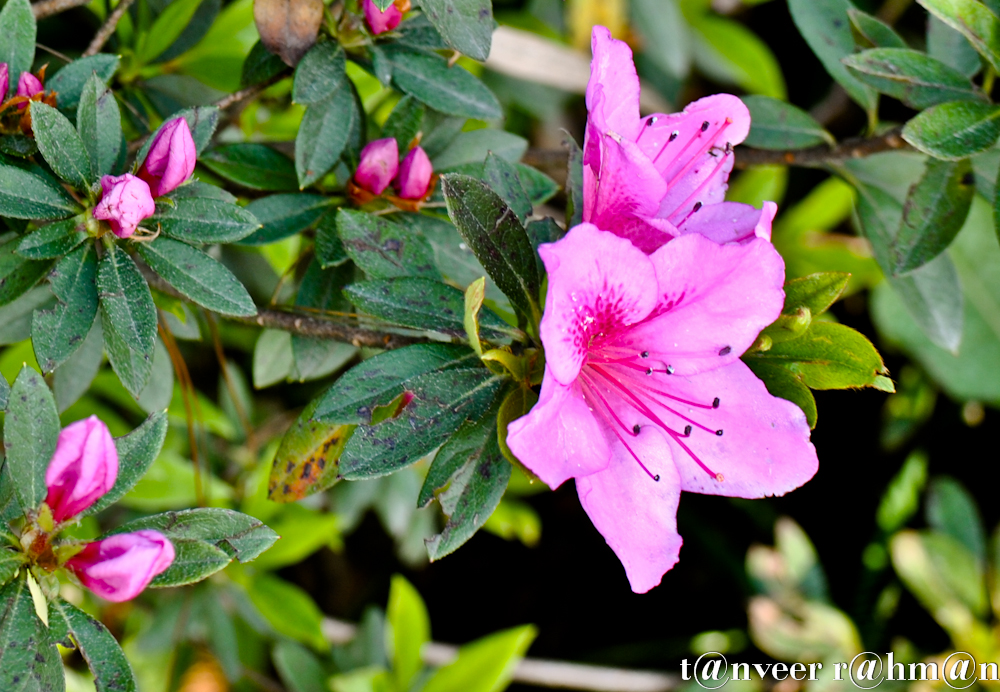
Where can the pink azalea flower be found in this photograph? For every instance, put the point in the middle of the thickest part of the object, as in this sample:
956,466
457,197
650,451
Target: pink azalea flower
171,158
414,174
125,202
119,567
83,468
28,85
380,22
655,178
644,394
378,166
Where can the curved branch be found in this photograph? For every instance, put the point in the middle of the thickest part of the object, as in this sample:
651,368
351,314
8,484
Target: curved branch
854,148
47,8
104,33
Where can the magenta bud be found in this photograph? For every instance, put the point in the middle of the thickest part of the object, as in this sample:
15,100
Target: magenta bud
125,202
379,164
4,80
28,85
83,468
119,567
171,158
380,22
414,174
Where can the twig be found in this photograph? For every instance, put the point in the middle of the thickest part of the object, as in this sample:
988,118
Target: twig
538,672
47,8
104,33
814,157
247,93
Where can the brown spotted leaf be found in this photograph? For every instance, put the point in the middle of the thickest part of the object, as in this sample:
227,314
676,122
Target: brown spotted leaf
288,28
308,458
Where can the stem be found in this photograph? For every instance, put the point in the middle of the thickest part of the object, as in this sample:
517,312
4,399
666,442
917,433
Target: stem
104,33
188,393
47,8
823,155
251,91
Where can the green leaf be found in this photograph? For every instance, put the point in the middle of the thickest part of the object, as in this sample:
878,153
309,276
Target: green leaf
730,52
201,120
330,250
503,178
384,249
485,665
974,20
474,296
254,166
954,130
193,561
288,609
57,333
665,34
874,30
284,215
31,428
496,237
4,392
298,669
99,122
18,274
450,90
11,562
61,145
136,453
24,195
167,28
441,402
952,510
780,125
475,146
465,25
784,384
424,304
409,630
951,47
932,295
105,658
825,26
405,121
15,318
325,130
914,78
29,660
53,240
902,496
574,182
69,81
128,317
307,460
321,74
198,277
382,378
17,26
816,292
260,66
935,210
203,220
20,146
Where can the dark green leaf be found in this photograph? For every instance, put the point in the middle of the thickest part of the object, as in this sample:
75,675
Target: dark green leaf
57,333
932,295
4,392
441,402
496,237
320,289
128,318
780,125
379,380
24,195
68,82
166,28
11,561
330,250
418,32
952,510
503,179
384,249
298,668
53,240
105,658
951,48
405,121
17,26
539,187
194,561
325,131
914,78
100,126
18,274
874,30
825,26
320,74
284,215
20,146
72,379
198,277
449,90
260,66
474,146
954,130
974,20
254,166
202,121
783,383
61,145
195,189
466,25
29,660
31,429
136,453
574,183
204,220
424,304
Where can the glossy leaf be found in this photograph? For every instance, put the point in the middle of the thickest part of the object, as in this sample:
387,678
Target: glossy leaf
61,145
954,130
974,20
29,660
99,123
99,648
450,90
785,384
254,166
128,318
816,292
779,125
57,333
198,277
203,220
29,436
136,453
383,249
24,195
283,215
17,26
465,25
914,78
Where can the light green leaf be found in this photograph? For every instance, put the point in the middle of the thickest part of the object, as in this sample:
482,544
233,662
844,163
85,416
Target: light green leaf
485,665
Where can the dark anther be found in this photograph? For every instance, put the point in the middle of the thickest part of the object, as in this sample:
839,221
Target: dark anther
636,429
649,371
719,432
704,126
651,121
697,206
715,403
673,135
644,354
968,179
670,369
656,478
725,350
687,431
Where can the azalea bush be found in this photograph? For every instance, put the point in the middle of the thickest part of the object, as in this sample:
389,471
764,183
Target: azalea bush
320,322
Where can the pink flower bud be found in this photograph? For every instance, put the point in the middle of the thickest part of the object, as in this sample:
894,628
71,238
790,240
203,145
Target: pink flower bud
414,174
171,158
28,85
4,80
380,22
124,204
119,567
83,468
379,164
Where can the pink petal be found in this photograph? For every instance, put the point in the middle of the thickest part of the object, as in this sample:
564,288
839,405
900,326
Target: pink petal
598,283
119,567
83,468
613,89
559,438
636,515
378,165
713,302
730,222
764,449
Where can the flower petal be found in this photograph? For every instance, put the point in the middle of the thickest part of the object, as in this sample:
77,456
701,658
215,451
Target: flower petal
636,515
730,222
713,301
613,89
598,284
764,449
560,437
